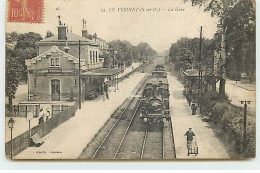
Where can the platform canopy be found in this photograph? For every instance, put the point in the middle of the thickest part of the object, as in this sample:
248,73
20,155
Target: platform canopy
102,72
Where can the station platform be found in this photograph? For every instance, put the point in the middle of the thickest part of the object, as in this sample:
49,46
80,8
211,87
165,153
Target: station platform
69,139
209,147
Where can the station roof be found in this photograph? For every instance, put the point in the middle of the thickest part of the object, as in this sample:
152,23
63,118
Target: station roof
71,37
102,72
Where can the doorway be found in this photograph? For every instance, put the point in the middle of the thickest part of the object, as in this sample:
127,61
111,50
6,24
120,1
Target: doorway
55,90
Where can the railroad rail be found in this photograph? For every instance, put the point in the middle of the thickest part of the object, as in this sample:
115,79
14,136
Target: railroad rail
156,152
143,146
132,101
127,130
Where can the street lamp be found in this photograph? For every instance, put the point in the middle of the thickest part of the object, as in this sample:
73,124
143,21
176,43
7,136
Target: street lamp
11,126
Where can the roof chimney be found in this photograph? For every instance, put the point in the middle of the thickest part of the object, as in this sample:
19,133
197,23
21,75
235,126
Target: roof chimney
62,30
84,30
95,37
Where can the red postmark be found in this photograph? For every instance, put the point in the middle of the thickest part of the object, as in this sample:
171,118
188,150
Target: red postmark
29,11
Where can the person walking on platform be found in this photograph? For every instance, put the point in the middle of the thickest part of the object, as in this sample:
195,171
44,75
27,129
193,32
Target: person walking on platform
189,135
106,91
193,108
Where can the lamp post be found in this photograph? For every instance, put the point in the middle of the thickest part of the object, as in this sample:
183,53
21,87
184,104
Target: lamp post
11,126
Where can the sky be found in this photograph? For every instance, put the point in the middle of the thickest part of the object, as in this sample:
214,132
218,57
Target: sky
158,28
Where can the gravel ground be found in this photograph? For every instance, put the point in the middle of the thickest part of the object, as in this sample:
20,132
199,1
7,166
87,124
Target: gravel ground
109,147
91,148
168,141
153,148
132,145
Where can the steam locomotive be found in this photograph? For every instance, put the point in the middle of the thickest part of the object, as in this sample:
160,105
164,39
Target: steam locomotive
155,98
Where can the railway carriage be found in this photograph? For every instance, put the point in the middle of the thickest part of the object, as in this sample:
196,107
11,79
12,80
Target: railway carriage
155,99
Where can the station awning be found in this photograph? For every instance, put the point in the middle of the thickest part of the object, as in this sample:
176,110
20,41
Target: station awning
103,72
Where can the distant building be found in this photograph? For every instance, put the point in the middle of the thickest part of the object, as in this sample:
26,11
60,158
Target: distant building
54,74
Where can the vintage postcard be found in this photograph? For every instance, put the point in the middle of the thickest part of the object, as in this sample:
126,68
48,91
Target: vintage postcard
130,79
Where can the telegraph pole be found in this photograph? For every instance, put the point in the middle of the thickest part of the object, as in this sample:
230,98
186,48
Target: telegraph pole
79,79
200,70
244,124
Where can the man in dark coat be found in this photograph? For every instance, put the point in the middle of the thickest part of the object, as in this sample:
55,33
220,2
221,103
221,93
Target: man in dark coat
194,108
189,135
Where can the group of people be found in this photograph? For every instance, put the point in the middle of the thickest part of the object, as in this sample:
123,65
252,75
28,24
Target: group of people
44,116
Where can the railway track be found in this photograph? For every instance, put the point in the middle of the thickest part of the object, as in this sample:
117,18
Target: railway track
110,145
125,136
107,142
153,144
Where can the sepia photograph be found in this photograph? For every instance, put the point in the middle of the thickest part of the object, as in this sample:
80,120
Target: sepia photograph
130,80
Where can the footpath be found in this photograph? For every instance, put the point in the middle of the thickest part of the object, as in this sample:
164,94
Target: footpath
69,139
182,119
239,91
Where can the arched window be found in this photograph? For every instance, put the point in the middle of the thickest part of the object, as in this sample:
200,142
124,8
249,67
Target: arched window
57,62
52,62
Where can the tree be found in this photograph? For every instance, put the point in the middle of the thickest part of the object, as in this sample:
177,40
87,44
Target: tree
185,53
11,37
13,69
220,9
26,48
49,34
126,53
241,41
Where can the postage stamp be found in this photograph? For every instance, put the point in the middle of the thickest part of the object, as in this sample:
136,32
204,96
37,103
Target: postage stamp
28,11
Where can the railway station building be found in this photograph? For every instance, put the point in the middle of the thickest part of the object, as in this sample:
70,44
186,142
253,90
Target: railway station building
54,74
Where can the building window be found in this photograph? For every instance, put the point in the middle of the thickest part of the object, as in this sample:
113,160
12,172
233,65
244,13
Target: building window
93,57
96,57
34,82
52,62
57,62
90,57
75,82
